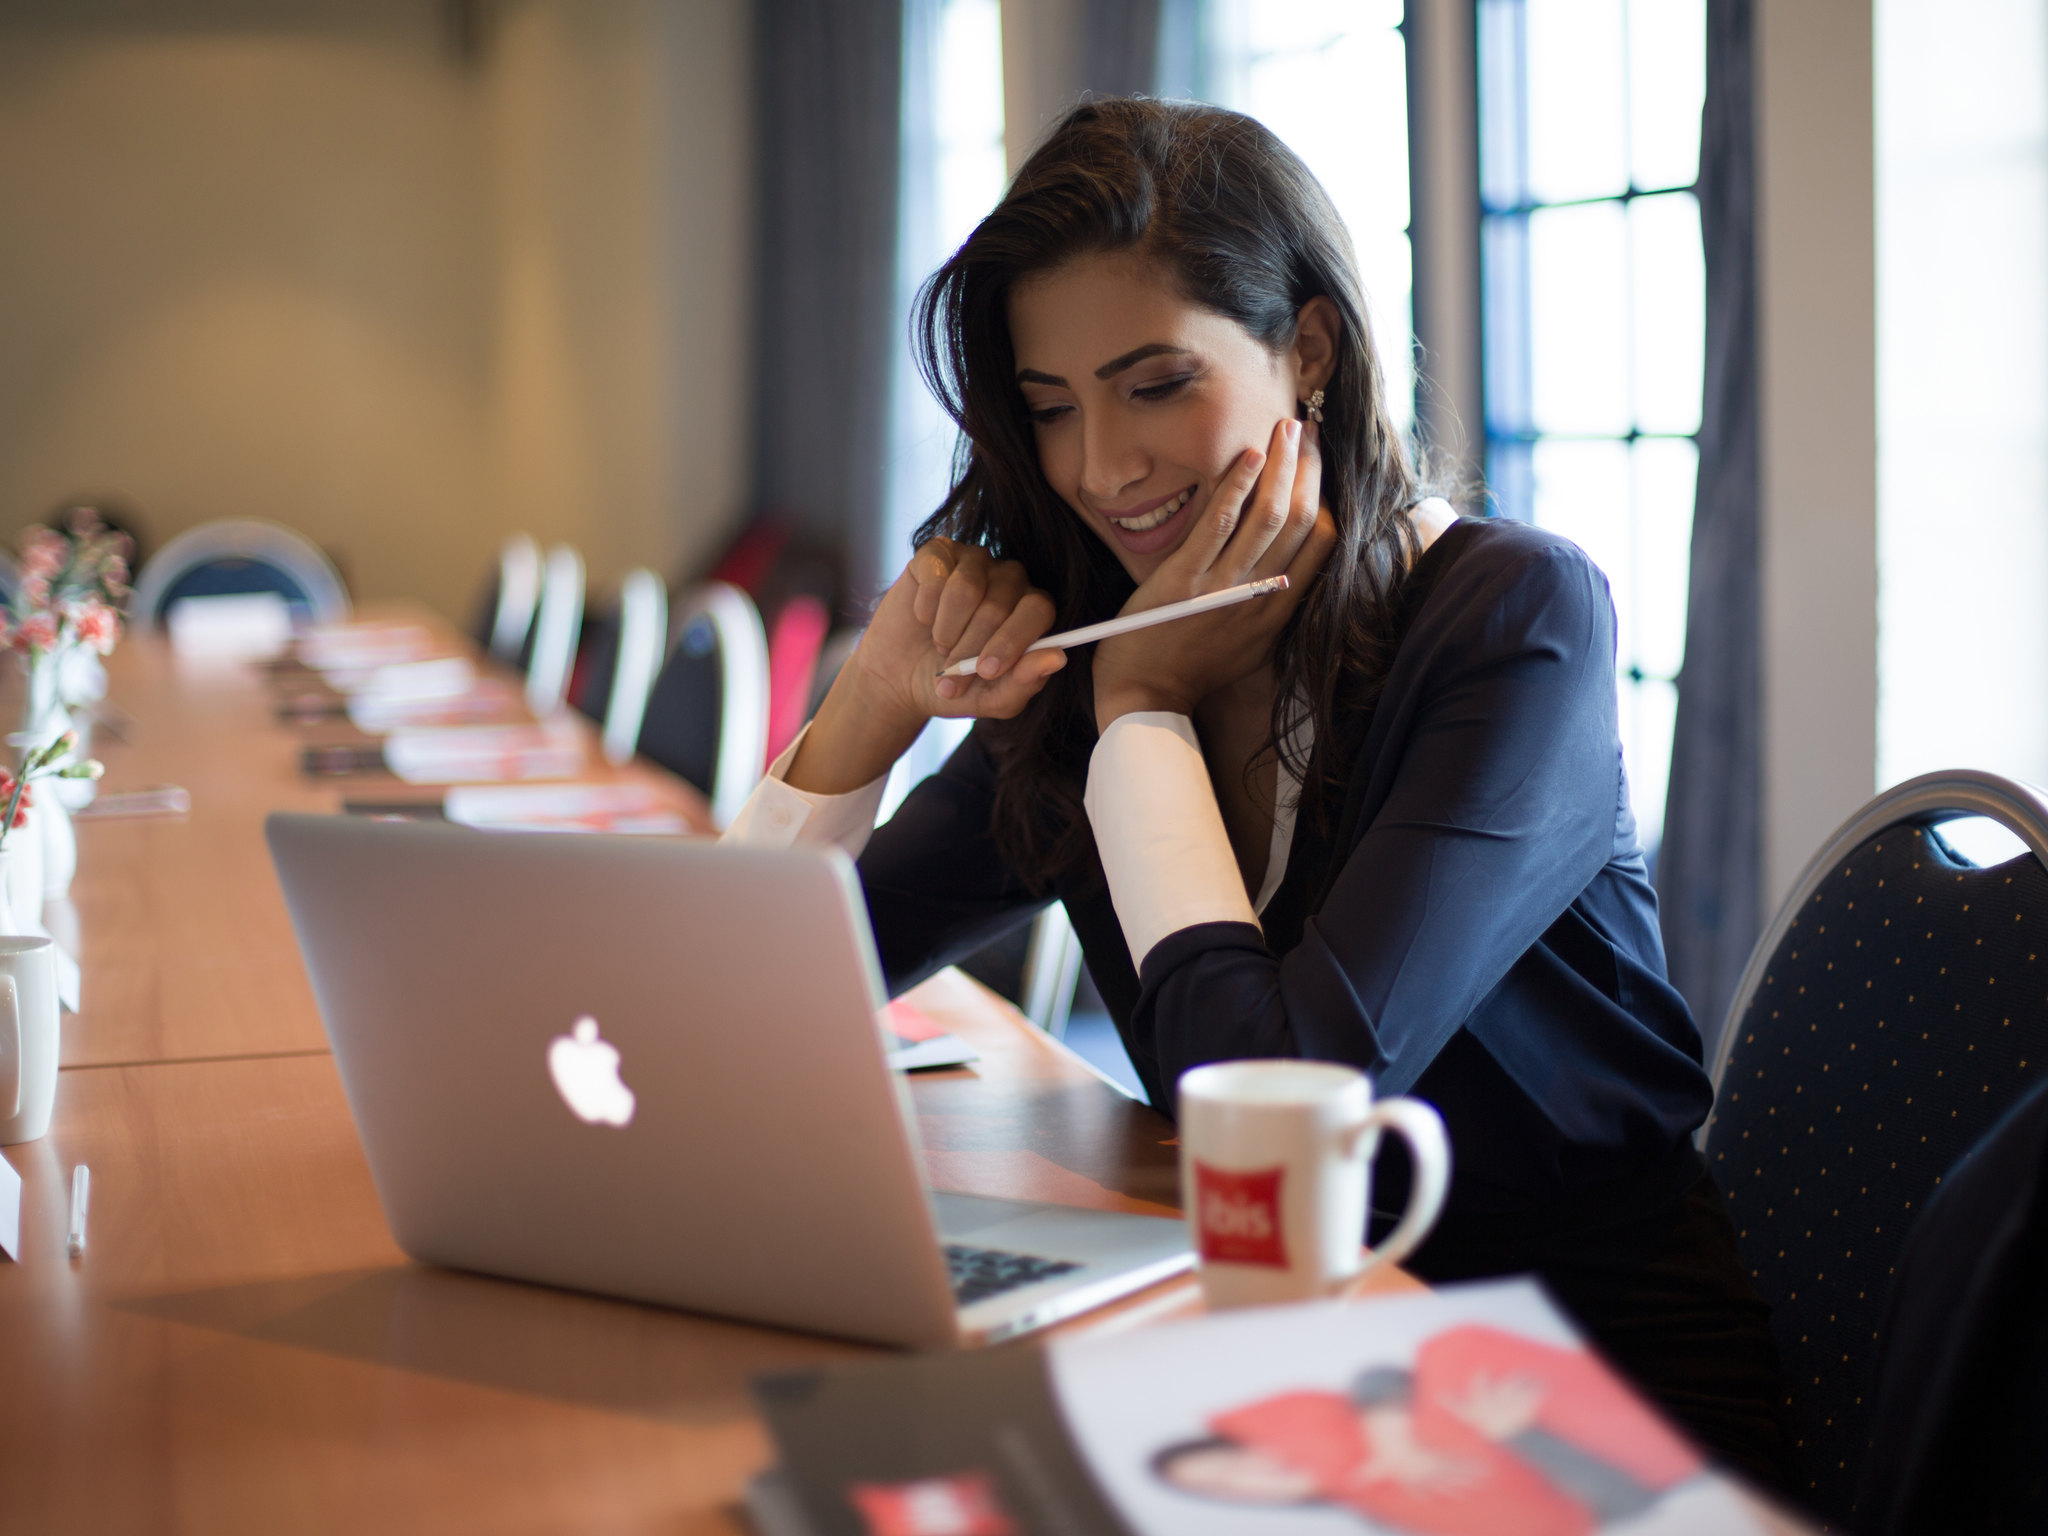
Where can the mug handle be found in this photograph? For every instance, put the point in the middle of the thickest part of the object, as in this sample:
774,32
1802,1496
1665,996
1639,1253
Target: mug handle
1430,1150
10,1047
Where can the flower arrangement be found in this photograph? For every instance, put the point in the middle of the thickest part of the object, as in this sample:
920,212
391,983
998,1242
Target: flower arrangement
48,762
73,583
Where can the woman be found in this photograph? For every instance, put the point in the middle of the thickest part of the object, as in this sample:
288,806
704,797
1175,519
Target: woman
1380,819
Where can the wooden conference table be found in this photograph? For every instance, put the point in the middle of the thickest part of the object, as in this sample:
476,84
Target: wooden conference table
243,1348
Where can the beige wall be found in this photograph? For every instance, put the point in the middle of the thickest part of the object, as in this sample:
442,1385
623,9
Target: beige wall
301,262
1817,344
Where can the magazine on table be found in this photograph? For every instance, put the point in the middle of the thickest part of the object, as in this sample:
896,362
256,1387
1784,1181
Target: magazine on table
1469,1409
917,1042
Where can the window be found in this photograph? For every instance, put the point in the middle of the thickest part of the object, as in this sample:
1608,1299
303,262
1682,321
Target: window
1962,391
1594,314
953,174
1330,77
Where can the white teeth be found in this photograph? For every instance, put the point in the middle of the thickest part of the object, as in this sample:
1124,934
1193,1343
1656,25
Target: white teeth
1155,517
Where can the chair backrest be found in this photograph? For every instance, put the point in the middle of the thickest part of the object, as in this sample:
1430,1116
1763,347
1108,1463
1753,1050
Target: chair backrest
513,597
235,557
707,716
796,637
1895,1008
556,627
641,646
1959,1438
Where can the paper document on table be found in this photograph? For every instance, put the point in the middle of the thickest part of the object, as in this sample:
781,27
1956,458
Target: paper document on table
635,808
486,754
916,1041
407,682
358,647
487,701
245,626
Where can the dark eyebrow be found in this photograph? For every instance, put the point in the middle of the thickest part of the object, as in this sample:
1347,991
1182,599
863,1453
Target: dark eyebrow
1117,365
1108,370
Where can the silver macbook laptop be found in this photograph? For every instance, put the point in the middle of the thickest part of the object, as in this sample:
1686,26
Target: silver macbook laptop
651,1068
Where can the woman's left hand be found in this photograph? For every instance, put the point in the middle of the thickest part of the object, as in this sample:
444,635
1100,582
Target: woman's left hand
1265,517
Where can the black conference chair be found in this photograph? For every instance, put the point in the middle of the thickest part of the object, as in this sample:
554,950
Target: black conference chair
1960,1412
621,656
1896,1008
239,557
706,718
503,625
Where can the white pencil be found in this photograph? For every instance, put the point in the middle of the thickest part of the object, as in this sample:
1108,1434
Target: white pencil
81,1194
1090,633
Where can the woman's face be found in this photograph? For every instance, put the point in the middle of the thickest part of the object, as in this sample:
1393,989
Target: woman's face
1141,400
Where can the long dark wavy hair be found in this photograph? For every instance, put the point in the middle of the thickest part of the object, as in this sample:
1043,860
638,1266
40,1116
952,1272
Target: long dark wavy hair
1230,214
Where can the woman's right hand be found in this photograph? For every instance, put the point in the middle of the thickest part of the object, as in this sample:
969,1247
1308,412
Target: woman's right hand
952,601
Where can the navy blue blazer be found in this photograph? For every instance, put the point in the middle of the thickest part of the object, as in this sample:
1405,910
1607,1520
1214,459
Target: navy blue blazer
1475,925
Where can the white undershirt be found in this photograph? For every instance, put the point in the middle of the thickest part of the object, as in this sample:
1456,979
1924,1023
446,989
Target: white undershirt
1149,802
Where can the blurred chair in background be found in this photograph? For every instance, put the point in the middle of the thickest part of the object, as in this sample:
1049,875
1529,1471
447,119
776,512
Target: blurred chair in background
557,626
1893,1011
706,718
505,616
239,557
796,639
622,656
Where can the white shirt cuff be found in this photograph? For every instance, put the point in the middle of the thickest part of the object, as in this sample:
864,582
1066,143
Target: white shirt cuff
1160,834
778,815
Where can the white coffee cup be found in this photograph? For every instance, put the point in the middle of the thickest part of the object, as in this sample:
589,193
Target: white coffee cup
1276,1176
28,1038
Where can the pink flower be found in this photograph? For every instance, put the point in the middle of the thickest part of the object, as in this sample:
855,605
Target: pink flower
37,632
43,553
34,594
97,626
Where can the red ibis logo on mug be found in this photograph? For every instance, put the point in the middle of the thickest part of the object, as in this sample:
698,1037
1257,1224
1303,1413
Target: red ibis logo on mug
1240,1215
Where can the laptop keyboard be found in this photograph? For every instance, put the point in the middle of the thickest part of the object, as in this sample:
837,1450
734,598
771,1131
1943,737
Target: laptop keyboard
979,1273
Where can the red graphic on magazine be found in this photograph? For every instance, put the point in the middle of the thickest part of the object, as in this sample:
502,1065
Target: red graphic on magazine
962,1505
910,1025
1240,1216
1490,1432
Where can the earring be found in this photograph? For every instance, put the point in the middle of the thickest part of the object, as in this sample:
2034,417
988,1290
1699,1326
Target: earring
1315,407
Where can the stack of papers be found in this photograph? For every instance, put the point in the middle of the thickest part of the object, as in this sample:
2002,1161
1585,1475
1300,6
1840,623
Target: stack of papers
485,754
486,700
359,647
564,808
247,626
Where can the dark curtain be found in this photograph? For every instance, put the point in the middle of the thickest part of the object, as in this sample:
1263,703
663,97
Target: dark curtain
1708,873
1120,47
829,79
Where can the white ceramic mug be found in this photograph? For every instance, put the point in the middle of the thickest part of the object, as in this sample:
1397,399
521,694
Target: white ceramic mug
1276,1174
28,1038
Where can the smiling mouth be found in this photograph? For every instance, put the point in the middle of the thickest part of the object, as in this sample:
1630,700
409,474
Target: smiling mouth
1153,519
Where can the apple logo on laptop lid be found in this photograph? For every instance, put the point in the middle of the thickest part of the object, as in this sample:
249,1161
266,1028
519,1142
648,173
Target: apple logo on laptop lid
586,1074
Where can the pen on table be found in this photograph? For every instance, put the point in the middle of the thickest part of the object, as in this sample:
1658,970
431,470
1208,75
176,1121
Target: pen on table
1090,633
81,1194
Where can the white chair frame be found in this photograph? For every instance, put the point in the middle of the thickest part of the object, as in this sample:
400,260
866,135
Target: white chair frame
518,592
556,627
642,645
1926,801
1052,970
241,539
742,690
